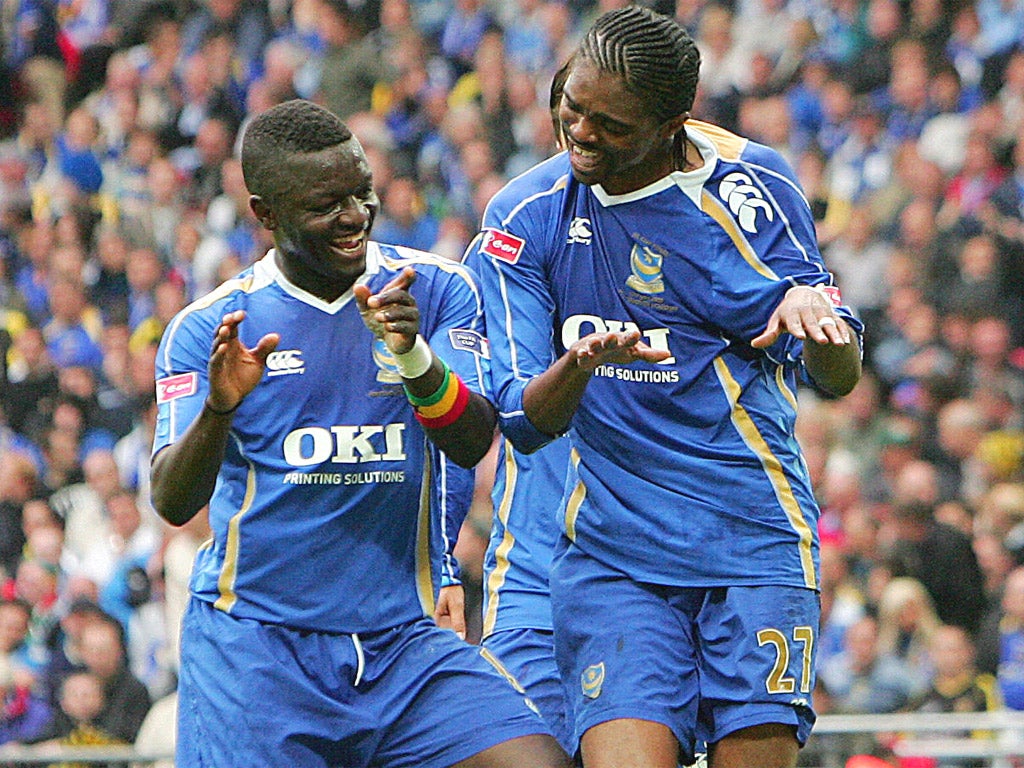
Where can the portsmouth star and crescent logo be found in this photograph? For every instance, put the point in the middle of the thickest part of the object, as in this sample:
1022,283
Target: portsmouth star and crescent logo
592,680
646,264
387,368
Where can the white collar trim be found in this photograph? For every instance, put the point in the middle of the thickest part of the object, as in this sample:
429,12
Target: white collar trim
267,267
690,182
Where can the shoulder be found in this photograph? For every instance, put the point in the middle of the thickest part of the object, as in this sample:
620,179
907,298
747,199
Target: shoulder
430,267
737,152
539,187
207,311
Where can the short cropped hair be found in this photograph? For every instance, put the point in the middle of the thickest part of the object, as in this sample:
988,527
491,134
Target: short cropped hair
651,52
292,127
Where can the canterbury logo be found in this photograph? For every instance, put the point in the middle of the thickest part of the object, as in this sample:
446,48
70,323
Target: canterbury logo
579,231
284,362
744,200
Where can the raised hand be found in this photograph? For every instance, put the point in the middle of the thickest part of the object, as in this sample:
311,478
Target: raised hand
805,313
623,348
234,369
391,314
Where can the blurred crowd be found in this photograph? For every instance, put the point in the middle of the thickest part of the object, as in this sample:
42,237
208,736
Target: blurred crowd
122,200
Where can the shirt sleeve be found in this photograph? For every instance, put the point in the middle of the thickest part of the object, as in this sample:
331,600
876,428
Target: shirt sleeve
182,379
770,247
519,314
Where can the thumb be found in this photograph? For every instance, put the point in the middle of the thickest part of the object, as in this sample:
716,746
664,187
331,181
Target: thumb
265,346
768,336
362,295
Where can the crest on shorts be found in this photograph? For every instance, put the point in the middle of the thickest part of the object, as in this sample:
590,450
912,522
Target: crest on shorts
387,368
592,679
645,263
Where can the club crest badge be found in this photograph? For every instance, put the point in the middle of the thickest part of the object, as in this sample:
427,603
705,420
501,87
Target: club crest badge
646,264
592,680
387,368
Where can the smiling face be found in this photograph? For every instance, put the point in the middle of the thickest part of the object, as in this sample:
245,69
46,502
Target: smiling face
321,212
612,135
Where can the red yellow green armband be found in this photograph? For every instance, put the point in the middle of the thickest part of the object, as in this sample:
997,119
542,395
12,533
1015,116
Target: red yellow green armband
443,407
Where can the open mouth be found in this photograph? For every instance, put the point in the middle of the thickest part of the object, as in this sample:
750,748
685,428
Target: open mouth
583,159
351,245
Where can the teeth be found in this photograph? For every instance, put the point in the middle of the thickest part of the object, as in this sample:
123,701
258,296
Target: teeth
354,243
584,152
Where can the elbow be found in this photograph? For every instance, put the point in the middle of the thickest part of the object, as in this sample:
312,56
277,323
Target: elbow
523,436
171,510
841,383
167,496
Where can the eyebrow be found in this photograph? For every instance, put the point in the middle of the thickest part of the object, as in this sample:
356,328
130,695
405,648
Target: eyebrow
607,119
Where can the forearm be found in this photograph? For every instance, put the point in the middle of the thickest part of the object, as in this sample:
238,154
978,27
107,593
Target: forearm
458,421
184,473
551,398
835,368
469,437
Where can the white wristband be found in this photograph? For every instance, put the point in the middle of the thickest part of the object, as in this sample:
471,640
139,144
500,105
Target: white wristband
417,361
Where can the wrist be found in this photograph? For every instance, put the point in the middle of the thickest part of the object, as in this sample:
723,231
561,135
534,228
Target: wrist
218,412
415,362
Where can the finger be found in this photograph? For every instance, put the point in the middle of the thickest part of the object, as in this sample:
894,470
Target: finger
265,346
458,617
650,355
398,284
769,334
627,338
362,297
830,328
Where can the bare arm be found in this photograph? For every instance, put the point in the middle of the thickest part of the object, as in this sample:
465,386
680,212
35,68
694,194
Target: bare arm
392,315
184,473
551,398
831,350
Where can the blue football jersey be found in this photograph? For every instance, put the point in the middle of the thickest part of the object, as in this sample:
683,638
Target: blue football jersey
526,496
685,472
332,511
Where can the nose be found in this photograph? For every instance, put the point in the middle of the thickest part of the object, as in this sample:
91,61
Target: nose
355,213
582,130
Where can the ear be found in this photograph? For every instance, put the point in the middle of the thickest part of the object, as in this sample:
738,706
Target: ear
263,212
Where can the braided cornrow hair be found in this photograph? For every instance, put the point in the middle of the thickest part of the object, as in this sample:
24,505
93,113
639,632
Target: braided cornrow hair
656,58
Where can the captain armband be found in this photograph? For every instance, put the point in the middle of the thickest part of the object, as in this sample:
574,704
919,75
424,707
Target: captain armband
445,405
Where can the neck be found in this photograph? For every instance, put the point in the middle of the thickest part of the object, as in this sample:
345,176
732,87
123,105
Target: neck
312,283
685,154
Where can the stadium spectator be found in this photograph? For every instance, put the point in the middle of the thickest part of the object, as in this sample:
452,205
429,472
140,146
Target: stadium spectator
906,624
863,679
1010,673
956,686
126,700
77,720
941,558
23,715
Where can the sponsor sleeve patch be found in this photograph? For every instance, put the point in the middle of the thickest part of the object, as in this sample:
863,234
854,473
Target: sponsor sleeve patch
173,387
470,341
832,292
502,245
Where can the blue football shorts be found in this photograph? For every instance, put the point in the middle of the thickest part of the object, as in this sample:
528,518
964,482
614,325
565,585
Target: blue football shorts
262,694
704,662
529,654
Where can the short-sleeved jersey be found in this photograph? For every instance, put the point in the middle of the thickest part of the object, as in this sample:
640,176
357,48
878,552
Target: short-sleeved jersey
685,472
526,495
331,512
